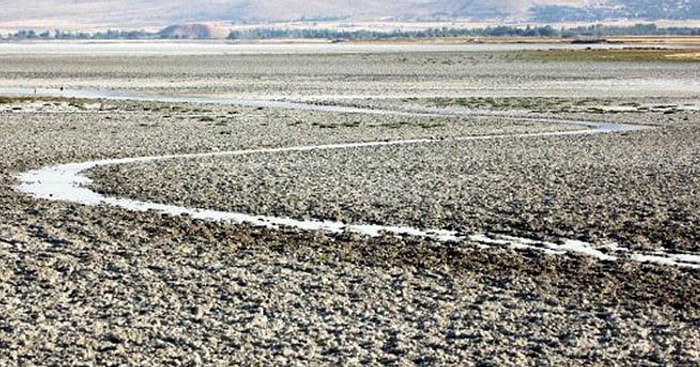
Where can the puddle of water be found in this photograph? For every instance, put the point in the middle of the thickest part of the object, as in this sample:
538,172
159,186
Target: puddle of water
597,126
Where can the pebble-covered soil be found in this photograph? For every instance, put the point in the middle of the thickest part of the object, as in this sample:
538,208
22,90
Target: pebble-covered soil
379,75
105,286
638,189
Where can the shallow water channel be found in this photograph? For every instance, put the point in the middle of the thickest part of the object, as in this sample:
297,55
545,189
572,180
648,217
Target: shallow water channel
67,182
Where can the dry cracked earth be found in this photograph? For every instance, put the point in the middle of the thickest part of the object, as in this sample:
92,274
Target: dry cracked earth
82,285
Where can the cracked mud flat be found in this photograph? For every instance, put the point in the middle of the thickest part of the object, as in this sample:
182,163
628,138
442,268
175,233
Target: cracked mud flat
638,189
102,285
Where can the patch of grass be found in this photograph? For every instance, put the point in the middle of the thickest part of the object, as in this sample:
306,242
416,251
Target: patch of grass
350,124
325,125
152,108
179,109
430,125
421,124
396,124
206,119
595,110
77,105
630,104
547,105
499,103
335,125
324,258
621,55
56,100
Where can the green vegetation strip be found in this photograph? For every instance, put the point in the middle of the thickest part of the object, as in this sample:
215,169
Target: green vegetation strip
624,55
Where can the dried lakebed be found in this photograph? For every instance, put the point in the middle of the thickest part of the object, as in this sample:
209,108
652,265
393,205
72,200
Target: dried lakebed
68,183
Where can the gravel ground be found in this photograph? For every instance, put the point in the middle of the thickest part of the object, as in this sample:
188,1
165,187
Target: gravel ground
137,128
638,189
99,285
104,286
456,74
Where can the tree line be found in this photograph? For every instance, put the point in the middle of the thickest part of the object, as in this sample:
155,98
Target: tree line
58,34
445,32
334,34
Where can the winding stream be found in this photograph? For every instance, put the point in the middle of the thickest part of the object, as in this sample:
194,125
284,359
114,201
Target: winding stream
67,182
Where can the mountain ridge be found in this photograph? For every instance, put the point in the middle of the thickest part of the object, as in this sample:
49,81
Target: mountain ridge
132,13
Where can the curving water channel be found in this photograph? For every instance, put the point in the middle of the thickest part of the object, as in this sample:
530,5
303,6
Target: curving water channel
67,182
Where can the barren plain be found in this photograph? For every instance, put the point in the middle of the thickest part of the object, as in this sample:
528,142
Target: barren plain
104,285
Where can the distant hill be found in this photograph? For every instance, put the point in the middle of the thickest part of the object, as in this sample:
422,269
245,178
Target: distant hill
619,9
158,13
194,31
